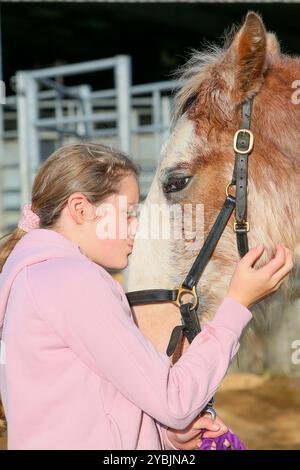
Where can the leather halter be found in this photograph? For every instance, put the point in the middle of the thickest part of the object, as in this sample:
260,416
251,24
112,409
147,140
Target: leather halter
243,145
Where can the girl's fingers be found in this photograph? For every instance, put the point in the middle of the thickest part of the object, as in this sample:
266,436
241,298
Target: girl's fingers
276,263
223,429
206,423
216,432
213,435
251,256
278,277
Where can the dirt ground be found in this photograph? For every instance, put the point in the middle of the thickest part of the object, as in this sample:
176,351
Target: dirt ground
264,412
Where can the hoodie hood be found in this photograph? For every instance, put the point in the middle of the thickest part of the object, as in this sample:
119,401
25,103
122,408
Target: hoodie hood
35,246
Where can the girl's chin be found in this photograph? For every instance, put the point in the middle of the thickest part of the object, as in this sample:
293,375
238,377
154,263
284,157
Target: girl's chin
117,265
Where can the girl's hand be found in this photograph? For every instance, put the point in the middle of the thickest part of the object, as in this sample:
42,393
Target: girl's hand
249,285
188,438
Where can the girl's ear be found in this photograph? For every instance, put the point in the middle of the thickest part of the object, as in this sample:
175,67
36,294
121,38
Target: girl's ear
80,208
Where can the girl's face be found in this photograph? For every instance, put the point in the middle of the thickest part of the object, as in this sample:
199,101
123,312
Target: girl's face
108,239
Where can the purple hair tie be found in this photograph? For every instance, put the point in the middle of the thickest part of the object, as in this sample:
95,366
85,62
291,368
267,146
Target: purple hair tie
233,440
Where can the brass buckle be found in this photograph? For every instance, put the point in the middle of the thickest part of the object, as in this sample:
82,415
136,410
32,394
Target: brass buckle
239,223
251,140
184,290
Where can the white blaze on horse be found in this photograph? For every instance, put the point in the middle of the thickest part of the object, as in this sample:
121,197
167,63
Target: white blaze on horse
196,164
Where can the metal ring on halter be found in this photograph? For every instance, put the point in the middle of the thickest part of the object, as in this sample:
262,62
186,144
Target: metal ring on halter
211,411
228,185
227,189
182,291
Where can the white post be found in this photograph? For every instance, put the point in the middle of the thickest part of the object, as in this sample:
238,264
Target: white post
87,109
156,110
166,116
123,85
27,107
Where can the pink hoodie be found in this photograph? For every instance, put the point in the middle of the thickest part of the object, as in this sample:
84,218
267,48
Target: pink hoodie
75,370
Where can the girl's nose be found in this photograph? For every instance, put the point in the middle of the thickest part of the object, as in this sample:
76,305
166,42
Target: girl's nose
133,228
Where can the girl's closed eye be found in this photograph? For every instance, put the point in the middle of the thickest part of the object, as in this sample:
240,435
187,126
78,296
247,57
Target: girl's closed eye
132,212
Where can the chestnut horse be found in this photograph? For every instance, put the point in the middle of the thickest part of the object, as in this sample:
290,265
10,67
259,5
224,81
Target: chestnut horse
195,165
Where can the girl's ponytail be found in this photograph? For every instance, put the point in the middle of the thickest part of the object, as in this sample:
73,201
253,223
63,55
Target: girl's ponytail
9,244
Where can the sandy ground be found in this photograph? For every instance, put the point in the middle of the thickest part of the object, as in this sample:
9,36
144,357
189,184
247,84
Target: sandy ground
264,412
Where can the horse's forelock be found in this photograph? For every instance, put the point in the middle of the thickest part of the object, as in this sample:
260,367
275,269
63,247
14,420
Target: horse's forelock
191,75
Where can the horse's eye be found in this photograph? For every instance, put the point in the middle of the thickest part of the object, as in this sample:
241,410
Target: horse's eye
176,184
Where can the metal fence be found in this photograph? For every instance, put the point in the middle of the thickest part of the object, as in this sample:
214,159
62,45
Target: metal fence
45,113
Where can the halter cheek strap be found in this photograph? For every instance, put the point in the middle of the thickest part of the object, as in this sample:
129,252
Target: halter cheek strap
243,145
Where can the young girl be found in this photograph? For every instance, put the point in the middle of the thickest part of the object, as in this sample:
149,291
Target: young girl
76,372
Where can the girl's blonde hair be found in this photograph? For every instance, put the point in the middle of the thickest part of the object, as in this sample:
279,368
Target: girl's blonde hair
90,168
